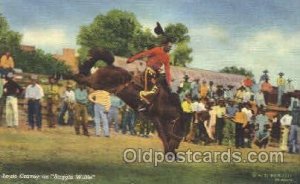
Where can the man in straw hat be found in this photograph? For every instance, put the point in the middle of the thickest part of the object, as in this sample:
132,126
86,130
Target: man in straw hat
280,87
68,104
11,90
34,93
264,76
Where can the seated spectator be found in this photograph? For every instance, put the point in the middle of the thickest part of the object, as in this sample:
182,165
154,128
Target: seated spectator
262,137
6,64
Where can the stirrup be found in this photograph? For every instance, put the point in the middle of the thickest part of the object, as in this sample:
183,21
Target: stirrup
142,109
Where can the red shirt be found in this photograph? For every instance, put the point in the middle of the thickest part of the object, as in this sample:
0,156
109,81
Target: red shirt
248,82
156,58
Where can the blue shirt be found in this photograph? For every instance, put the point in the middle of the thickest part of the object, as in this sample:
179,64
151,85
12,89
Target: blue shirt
261,120
116,101
81,96
231,110
262,134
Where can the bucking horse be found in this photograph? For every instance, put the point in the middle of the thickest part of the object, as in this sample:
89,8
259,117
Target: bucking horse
165,111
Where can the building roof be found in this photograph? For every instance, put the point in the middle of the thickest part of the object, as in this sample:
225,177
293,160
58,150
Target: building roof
178,73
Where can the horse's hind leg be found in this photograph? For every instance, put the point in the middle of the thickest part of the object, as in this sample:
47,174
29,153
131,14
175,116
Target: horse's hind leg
162,134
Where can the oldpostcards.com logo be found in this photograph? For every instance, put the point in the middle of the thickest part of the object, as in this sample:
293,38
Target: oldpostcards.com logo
131,155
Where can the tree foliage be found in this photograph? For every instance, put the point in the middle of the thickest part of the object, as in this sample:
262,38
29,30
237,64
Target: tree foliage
181,54
9,40
120,32
179,35
235,70
114,31
40,62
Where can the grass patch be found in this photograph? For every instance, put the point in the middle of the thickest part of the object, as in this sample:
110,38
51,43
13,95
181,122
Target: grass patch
59,151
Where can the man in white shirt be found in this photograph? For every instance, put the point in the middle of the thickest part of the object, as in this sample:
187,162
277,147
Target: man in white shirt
34,93
260,99
68,104
286,120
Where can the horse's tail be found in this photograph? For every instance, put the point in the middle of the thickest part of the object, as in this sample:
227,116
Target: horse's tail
96,54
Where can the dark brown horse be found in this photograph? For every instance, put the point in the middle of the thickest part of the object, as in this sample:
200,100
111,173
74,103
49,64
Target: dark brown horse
165,112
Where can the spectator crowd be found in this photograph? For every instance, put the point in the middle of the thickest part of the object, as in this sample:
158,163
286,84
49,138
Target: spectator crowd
213,113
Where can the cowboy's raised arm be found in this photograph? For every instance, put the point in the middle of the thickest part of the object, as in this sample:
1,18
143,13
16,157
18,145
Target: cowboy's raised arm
140,55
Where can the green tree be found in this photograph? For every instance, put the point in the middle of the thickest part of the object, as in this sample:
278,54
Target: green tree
177,32
40,62
120,32
179,35
114,31
9,40
181,55
236,70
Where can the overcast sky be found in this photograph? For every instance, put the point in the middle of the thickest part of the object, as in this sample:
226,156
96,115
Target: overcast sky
255,34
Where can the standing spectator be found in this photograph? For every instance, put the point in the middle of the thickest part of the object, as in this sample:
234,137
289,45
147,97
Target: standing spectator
186,85
220,113
175,85
247,95
211,90
113,114
203,89
231,110
229,93
289,88
187,113
128,120
264,76
101,99
239,96
260,99
11,91
294,137
68,105
241,121
195,89
248,131
81,118
220,92
2,98
276,128
212,121
280,88
285,122
52,97
248,83
34,93
6,64
266,88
